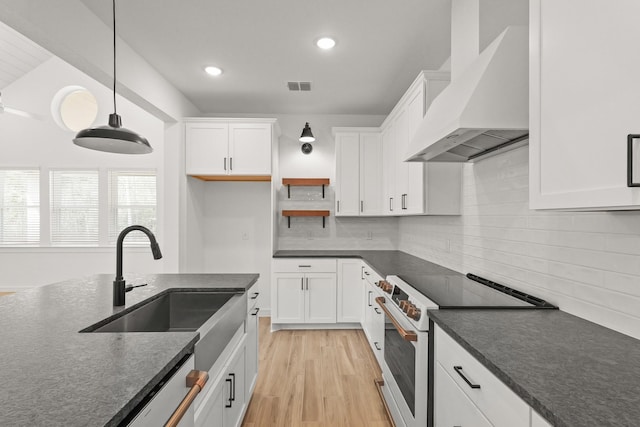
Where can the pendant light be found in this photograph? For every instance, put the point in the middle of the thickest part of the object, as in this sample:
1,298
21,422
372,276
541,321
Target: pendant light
113,138
306,137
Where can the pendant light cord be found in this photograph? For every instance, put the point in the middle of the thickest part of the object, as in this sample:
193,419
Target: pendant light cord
115,111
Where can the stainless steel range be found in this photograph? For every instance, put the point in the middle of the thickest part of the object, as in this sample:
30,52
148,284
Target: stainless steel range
407,387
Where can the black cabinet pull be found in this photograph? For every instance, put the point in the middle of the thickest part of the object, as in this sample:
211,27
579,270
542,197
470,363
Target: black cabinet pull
225,163
377,311
369,299
302,283
391,204
366,272
233,387
304,266
338,209
228,380
361,206
458,369
362,272
255,295
375,344
230,163
255,313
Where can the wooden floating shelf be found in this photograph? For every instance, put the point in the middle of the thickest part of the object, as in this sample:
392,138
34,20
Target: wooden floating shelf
290,213
304,182
238,178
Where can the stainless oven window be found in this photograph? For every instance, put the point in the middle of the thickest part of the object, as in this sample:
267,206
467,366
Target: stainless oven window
400,358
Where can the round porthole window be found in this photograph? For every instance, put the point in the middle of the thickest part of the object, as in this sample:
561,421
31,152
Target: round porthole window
74,108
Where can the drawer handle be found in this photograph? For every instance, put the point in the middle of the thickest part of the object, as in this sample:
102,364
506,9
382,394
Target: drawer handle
229,405
375,344
255,313
304,266
195,381
377,311
255,295
458,369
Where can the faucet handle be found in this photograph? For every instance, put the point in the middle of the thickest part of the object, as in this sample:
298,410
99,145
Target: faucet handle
130,287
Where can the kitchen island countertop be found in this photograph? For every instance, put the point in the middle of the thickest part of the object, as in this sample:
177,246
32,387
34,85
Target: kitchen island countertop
53,375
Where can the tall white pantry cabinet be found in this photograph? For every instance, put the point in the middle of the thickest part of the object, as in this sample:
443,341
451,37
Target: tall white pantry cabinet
584,102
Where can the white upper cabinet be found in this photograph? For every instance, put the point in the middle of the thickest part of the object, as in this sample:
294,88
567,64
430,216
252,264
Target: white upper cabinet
584,62
358,176
416,188
229,147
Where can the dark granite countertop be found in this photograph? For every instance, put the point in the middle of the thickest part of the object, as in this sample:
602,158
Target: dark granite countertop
573,372
52,375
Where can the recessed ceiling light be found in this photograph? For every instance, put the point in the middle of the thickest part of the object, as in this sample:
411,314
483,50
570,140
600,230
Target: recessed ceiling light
213,71
325,43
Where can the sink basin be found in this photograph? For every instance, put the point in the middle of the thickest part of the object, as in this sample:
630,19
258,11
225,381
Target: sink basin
171,312
216,316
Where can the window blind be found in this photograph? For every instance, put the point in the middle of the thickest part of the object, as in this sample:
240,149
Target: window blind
74,208
19,207
132,200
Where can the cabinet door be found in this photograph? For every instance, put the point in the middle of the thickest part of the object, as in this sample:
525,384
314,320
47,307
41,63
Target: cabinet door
350,290
348,174
206,148
414,200
390,204
288,298
234,398
250,148
584,62
377,332
370,174
452,406
320,297
400,140
251,371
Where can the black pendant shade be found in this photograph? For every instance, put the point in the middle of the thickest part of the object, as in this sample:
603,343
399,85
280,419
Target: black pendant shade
113,138
306,135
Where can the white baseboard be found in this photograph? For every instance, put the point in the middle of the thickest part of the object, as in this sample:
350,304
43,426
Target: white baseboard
299,326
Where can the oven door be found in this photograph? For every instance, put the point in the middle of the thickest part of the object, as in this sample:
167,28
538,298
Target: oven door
404,373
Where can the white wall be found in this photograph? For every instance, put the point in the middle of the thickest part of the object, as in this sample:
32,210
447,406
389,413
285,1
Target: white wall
33,143
587,263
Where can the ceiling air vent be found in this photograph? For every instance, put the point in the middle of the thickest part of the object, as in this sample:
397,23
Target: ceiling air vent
302,86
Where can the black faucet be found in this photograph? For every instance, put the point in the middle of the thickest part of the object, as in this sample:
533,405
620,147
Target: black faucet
119,288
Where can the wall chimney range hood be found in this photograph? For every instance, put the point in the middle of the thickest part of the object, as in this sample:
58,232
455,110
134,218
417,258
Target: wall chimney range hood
485,110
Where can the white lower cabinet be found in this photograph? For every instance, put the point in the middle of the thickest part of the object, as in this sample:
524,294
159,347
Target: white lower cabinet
304,298
303,290
373,318
167,399
350,282
467,394
251,371
224,403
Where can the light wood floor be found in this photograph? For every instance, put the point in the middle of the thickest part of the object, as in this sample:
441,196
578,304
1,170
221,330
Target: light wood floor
315,378
5,293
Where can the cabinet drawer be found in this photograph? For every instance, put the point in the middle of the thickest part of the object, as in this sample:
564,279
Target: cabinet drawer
452,406
496,401
304,265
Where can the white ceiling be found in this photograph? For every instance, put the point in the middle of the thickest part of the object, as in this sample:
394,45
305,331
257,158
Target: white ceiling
18,55
382,45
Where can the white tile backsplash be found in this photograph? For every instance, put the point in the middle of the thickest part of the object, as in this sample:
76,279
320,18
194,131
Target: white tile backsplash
587,263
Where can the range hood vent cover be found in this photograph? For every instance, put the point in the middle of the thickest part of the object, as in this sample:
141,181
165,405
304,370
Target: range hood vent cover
485,110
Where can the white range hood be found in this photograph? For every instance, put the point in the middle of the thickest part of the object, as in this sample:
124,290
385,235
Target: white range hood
484,110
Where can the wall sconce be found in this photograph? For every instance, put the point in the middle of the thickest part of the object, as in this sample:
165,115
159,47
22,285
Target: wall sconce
306,138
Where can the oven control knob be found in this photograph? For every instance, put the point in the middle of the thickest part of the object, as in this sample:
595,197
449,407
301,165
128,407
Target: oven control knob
414,313
404,305
386,286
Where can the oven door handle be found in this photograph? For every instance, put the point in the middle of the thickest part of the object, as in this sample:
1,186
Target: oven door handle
406,335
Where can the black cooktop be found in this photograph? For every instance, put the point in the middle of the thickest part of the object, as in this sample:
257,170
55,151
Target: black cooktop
471,291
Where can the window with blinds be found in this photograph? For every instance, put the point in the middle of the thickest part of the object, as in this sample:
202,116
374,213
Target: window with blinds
19,206
74,208
132,200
